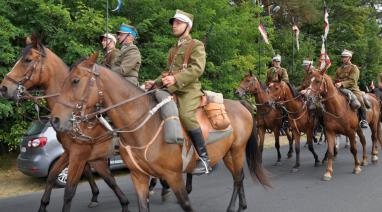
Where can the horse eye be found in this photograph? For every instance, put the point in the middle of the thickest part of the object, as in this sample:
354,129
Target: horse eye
27,60
75,81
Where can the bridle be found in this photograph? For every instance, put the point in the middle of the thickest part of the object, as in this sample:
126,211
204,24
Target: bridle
32,68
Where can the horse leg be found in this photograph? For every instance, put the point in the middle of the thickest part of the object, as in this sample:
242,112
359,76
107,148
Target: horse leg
261,133
140,182
75,170
362,139
309,135
165,190
175,180
277,145
153,183
330,136
228,161
95,191
60,164
375,138
103,170
189,183
353,150
290,140
297,150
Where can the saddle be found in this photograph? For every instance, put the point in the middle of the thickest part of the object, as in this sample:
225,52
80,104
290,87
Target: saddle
366,100
354,103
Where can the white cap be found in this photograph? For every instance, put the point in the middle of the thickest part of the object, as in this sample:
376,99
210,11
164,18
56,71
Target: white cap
277,58
347,53
182,16
307,62
109,36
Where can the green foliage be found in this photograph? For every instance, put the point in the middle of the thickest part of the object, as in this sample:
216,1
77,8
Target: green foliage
72,28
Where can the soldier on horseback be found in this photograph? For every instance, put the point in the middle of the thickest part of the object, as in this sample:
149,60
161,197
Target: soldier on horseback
108,42
347,76
276,72
129,61
183,80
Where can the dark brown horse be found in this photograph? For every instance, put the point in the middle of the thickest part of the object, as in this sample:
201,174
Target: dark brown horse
143,148
41,67
267,117
300,119
339,118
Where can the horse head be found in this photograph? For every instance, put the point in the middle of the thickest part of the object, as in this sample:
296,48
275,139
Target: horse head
278,90
27,72
248,85
80,93
319,84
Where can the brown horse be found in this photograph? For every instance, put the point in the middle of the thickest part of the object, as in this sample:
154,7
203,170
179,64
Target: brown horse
339,118
267,117
299,117
143,148
41,67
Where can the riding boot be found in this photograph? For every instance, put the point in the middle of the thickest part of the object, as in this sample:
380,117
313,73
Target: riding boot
362,114
203,165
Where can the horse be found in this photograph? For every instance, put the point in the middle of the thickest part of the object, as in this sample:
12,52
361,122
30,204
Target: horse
339,118
267,117
39,66
299,117
142,145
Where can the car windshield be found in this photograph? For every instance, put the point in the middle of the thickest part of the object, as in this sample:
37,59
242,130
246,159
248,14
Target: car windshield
37,127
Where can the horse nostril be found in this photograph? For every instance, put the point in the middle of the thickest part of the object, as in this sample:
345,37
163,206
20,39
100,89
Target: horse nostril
3,89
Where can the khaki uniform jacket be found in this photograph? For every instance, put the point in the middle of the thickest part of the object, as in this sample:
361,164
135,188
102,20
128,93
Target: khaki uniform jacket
111,57
273,74
187,86
348,75
128,63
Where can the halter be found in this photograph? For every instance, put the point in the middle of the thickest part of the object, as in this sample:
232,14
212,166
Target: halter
32,68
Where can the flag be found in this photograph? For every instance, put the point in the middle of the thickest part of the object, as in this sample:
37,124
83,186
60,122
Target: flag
372,85
326,22
296,30
324,60
263,33
118,6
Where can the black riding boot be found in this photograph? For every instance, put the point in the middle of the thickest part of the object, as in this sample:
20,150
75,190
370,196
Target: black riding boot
203,165
362,114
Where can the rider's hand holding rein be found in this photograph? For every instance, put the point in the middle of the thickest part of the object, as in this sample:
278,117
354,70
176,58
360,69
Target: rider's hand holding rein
168,80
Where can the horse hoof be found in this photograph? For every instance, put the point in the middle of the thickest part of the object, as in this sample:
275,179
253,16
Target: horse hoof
317,164
357,170
326,177
294,170
364,163
151,192
278,163
374,159
290,155
166,195
93,204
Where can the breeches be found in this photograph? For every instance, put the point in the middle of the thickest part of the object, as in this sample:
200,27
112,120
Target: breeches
358,94
187,111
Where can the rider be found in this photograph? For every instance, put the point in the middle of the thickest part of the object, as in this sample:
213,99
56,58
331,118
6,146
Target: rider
276,71
128,62
347,77
183,80
308,69
108,42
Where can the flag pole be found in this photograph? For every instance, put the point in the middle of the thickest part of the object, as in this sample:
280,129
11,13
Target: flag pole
293,34
326,38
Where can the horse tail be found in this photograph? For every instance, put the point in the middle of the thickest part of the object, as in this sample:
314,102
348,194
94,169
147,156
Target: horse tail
252,152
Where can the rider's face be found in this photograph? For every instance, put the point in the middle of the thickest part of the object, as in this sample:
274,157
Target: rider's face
178,27
345,59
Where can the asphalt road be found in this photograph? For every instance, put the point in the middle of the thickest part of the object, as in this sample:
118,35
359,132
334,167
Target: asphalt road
293,192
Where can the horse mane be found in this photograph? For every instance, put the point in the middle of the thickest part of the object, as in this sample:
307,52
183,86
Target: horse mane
293,89
75,64
263,85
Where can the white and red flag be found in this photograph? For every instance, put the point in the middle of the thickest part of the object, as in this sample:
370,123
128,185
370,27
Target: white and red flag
324,60
263,33
296,31
326,22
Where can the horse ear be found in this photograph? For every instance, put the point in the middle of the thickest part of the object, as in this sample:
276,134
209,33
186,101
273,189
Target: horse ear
250,73
93,58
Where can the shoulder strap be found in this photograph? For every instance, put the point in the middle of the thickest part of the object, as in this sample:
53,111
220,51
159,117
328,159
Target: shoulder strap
187,54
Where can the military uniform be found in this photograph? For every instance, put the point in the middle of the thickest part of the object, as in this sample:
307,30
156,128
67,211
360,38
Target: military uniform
111,57
187,87
128,63
274,74
348,75
307,78
380,80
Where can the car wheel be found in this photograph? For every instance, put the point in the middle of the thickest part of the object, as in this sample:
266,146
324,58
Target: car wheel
61,178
